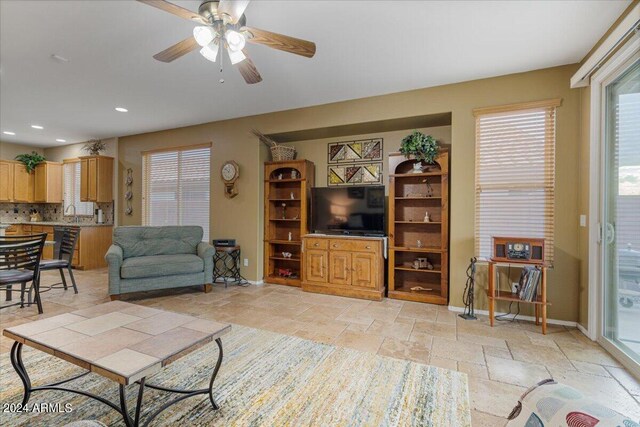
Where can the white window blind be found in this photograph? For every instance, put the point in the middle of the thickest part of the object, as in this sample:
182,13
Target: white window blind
71,191
176,187
515,174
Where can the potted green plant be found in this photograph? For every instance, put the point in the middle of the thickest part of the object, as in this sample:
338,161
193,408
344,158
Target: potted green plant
94,147
421,147
30,161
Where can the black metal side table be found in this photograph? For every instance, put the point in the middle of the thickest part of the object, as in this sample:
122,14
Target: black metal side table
226,265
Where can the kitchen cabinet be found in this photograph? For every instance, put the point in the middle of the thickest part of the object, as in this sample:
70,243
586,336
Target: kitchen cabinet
6,181
47,251
48,183
92,245
96,179
23,184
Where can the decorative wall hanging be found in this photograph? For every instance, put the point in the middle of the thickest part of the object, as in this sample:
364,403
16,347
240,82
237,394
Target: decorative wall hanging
355,151
354,174
128,195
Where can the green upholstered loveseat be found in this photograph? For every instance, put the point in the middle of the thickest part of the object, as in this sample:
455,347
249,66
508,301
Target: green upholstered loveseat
149,258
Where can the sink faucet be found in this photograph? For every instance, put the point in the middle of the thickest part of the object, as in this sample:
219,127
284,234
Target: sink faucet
75,216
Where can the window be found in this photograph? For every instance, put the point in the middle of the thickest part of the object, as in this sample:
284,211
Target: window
71,191
515,174
175,188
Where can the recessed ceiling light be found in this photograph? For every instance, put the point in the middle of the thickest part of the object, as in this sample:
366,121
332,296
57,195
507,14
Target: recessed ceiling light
59,58
121,109
37,127
61,140
6,132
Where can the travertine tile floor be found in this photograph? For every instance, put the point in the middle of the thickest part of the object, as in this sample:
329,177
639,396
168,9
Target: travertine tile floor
501,362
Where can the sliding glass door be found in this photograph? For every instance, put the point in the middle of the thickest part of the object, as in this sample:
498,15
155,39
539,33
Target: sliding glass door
621,213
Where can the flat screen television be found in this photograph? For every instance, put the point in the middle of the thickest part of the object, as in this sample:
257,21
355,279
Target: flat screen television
348,210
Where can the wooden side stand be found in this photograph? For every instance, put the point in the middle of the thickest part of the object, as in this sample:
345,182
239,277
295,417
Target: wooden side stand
540,303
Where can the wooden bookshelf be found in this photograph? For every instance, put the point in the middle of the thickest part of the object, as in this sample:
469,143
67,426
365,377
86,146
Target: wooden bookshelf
279,187
410,196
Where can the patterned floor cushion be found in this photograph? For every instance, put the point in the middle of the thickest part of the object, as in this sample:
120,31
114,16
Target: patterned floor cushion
551,404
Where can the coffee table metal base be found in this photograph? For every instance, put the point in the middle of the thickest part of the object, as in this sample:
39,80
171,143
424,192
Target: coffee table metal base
16,361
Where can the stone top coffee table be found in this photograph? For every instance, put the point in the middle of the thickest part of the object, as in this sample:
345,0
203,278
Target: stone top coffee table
120,341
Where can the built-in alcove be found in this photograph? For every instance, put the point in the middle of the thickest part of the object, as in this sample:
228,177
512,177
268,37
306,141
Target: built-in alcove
413,195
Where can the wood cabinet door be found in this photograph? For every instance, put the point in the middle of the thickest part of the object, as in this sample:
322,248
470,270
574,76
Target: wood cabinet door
92,179
22,184
340,268
40,185
364,270
47,251
6,181
315,267
84,180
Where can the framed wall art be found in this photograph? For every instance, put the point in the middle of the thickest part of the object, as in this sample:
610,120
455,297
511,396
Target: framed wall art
366,150
354,174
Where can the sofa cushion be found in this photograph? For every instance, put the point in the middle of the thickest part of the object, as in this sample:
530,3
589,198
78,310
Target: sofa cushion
138,241
161,265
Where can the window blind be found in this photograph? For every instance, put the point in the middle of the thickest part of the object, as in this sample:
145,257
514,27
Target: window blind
176,187
71,191
515,174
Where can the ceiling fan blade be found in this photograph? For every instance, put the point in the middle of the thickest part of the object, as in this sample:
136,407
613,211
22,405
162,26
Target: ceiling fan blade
177,50
175,10
233,8
281,42
249,70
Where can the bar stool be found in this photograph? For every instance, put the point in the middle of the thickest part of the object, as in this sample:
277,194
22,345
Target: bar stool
68,238
20,263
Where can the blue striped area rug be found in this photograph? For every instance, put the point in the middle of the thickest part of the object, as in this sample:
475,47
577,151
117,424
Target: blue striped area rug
267,379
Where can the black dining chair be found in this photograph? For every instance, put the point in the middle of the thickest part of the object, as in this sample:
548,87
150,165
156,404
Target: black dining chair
66,239
19,264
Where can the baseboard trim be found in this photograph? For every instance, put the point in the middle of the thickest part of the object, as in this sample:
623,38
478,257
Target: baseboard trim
584,331
520,316
256,282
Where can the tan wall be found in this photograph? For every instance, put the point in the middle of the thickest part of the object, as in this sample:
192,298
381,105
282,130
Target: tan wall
8,150
241,217
583,204
316,149
72,151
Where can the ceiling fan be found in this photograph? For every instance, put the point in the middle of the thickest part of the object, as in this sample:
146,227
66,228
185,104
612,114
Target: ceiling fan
223,25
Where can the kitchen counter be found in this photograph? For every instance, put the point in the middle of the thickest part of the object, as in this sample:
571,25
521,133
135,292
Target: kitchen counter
54,223
92,245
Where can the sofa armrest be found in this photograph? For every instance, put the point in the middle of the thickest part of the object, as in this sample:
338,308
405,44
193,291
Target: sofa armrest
114,258
206,252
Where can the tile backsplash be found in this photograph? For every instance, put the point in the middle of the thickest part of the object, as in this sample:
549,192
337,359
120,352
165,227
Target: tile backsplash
50,212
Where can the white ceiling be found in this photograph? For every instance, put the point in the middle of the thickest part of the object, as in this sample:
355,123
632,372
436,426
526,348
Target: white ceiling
363,49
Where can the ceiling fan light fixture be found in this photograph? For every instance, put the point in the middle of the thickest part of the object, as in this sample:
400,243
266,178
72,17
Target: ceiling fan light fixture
203,35
235,40
236,56
210,51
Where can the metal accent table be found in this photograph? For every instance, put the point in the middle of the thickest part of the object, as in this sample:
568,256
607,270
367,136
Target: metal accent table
120,360
226,265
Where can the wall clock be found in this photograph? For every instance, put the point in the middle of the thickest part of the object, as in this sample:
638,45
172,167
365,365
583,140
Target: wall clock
230,173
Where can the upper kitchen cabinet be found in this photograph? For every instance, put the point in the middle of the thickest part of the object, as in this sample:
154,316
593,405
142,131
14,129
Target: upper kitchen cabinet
6,181
23,184
16,184
96,179
48,183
